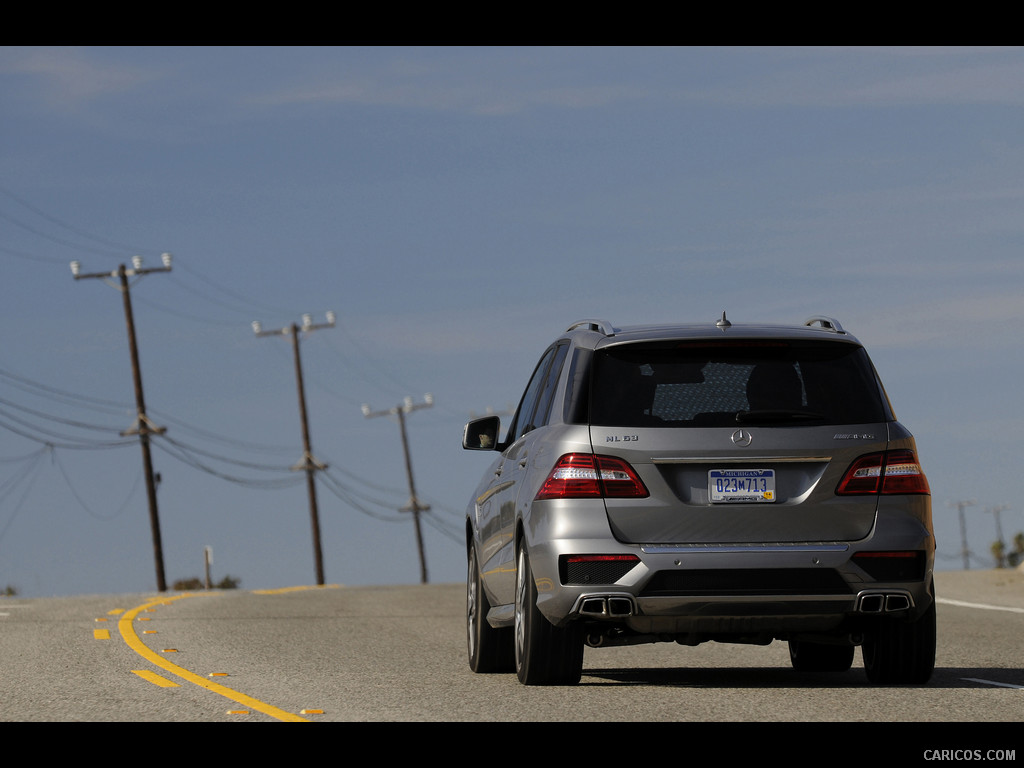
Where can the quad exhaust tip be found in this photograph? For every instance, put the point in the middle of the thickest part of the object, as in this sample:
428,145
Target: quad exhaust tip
616,606
884,602
606,606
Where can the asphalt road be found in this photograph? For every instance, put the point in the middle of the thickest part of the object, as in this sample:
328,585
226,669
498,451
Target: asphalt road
396,654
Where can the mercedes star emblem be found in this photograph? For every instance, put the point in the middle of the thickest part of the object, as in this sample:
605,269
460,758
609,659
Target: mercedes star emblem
741,438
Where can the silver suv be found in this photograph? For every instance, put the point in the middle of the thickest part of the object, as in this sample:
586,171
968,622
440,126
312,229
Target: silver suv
689,483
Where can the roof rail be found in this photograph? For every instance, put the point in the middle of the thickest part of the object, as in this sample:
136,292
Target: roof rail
601,326
828,323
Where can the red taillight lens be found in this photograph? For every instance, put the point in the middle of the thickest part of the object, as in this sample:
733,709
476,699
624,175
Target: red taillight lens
863,475
889,472
903,474
586,476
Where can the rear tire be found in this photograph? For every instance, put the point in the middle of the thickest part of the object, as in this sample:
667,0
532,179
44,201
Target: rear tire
900,652
490,649
819,657
544,654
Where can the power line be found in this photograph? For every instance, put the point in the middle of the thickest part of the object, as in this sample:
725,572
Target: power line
28,478
35,387
212,293
185,455
358,500
58,419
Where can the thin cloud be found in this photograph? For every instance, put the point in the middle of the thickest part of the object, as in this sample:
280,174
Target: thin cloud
506,81
501,91
70,77
496,81
859,77
976,321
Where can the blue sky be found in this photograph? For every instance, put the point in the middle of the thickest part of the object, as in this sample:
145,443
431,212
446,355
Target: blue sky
457,208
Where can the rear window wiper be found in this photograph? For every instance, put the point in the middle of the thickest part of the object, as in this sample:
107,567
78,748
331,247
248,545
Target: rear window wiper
776,417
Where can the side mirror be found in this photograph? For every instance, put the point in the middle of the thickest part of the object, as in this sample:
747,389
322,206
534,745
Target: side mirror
482,434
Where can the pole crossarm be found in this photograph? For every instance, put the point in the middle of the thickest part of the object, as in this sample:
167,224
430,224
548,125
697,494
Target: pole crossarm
294,329
143,426
309,462
137,270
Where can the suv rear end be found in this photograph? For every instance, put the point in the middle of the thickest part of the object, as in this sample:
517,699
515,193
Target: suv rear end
715,482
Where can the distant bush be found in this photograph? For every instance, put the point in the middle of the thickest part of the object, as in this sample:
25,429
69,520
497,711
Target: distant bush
1011,559
190,585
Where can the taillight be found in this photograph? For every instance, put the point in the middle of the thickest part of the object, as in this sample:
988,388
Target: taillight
586,476
888,472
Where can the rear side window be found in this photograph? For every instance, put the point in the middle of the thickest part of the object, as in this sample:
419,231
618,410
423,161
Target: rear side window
535,407
713,384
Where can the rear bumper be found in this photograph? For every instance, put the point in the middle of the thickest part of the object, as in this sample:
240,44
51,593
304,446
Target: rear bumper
709,617
736,588
776,589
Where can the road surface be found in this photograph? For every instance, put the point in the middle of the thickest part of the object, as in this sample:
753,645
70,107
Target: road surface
396,654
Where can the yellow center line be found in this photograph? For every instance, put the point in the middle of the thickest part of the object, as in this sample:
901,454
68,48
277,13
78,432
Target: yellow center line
126,626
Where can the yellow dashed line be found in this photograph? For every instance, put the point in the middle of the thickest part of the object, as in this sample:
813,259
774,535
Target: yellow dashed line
154,678
283,590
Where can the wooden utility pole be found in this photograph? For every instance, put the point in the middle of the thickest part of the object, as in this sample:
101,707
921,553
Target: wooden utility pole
965,551
414,505
308,464
143,427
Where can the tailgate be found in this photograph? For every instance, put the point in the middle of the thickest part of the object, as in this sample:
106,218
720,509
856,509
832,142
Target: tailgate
749,485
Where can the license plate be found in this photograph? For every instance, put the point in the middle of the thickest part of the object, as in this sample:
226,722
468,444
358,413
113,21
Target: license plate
741,486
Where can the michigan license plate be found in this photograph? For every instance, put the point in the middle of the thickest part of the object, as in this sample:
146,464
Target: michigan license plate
741,486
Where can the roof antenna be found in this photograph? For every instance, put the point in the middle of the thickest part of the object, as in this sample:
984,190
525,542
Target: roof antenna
724,322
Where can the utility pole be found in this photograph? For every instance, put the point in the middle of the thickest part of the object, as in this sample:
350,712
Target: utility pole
143,427
999,530
414,506
999,525
308,463
207,561
961,505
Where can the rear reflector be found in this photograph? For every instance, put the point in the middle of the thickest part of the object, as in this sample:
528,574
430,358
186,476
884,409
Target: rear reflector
906,565
888,472
601,559
595,569
586,476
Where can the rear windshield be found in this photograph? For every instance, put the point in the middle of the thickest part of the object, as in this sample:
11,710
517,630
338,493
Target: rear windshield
717,384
